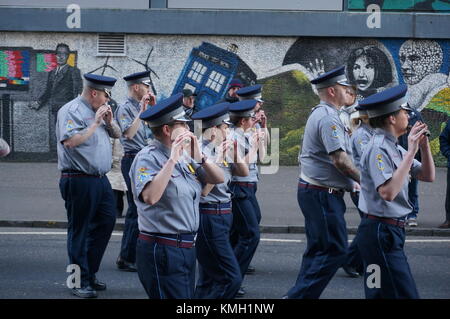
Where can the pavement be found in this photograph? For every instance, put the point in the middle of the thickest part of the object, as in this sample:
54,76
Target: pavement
30,197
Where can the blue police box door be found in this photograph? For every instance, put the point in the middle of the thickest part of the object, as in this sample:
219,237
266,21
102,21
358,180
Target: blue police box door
208,80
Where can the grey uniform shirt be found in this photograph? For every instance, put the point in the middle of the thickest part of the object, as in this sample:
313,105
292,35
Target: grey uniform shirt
243,144
178,209
94,156
380,159
324,134
125,115
359,140
220,193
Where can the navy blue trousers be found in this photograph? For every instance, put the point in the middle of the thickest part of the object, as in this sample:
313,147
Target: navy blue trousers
166,272
130,230
91,216
382,245
246,218
219,272
326,236
354,258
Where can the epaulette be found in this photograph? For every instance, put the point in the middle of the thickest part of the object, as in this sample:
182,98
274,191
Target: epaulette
73,106
378,139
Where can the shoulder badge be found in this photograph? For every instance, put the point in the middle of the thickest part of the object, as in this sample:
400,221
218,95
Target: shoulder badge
69,125
143,174
380,163
334,131
123,119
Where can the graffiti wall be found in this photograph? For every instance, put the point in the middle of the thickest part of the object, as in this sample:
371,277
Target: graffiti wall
39,73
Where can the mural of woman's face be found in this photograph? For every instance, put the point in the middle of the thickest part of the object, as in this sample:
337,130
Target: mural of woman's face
363,72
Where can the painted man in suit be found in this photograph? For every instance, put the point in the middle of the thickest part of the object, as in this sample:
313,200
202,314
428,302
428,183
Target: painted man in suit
63,85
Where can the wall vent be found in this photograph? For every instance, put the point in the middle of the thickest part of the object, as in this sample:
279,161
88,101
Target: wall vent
111,44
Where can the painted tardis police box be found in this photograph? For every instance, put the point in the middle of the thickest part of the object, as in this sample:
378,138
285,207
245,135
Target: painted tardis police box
208,72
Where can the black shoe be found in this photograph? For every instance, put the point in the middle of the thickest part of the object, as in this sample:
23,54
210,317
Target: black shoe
250,270
125,265
350,271
241,292
86,292
98,285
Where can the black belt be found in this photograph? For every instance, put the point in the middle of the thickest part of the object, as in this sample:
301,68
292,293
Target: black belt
386,220
130,154
75,173
176,240
321,188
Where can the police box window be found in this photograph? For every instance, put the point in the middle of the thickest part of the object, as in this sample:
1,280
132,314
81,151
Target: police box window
215,81
197,71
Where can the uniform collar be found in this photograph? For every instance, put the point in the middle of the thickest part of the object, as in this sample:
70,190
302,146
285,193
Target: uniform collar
388,135
163,148
368,128
86,103
134,102
329,105
188,110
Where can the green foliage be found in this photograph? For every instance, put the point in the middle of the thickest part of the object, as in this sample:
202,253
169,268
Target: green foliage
289,99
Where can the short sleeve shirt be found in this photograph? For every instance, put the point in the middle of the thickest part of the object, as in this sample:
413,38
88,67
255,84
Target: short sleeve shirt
125,115
94,156
243,142
220,193
324,134
378,163
359,140
178,209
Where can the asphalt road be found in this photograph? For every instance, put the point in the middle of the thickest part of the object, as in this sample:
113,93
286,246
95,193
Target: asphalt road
33,263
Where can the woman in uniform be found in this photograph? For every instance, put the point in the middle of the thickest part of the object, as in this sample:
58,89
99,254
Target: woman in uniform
246,211
166,189
219,273
385,169
362,132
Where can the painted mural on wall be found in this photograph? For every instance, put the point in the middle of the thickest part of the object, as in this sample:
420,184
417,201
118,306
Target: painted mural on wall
209,70
373,66
29,94
402,5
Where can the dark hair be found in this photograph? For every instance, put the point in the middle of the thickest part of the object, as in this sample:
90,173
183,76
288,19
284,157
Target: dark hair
62,45
157,130
382,66
380,121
